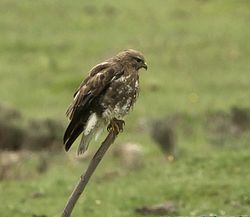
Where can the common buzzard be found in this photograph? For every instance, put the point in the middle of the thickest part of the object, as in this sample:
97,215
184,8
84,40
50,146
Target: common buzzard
104,98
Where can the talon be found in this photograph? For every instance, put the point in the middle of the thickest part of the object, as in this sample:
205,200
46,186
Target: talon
116,125
120,124
117,128
110,127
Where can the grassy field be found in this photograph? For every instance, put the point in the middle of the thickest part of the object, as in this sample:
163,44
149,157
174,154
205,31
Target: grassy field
198,56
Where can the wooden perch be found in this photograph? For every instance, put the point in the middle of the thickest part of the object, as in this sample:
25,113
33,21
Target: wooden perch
90,170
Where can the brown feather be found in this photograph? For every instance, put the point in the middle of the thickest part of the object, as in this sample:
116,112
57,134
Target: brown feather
80,110
109,91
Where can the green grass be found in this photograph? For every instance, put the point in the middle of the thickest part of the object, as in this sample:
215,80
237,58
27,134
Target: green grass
198,56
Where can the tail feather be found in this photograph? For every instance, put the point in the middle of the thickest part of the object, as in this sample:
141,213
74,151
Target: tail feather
74,129
74,134
89,133
84,144
71,127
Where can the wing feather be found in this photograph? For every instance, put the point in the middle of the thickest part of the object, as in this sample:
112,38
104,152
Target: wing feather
96,69
79,111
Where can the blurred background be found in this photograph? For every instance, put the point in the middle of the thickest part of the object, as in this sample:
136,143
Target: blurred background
185,149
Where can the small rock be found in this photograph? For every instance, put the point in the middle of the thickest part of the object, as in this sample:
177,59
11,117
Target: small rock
130,154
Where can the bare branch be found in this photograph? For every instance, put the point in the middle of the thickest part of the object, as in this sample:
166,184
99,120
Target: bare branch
90,170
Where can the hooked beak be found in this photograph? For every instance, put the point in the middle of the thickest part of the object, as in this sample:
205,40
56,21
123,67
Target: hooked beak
145,66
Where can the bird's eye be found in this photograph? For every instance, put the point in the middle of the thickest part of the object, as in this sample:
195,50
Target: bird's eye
138,60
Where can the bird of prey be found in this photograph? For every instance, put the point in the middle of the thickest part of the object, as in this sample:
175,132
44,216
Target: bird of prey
104,98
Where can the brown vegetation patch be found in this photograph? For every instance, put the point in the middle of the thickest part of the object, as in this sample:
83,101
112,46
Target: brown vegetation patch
165,208
18,133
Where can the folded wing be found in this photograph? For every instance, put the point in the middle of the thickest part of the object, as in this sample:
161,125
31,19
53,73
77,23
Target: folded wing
81,108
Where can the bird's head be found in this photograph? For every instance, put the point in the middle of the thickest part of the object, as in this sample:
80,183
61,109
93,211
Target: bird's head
133,58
